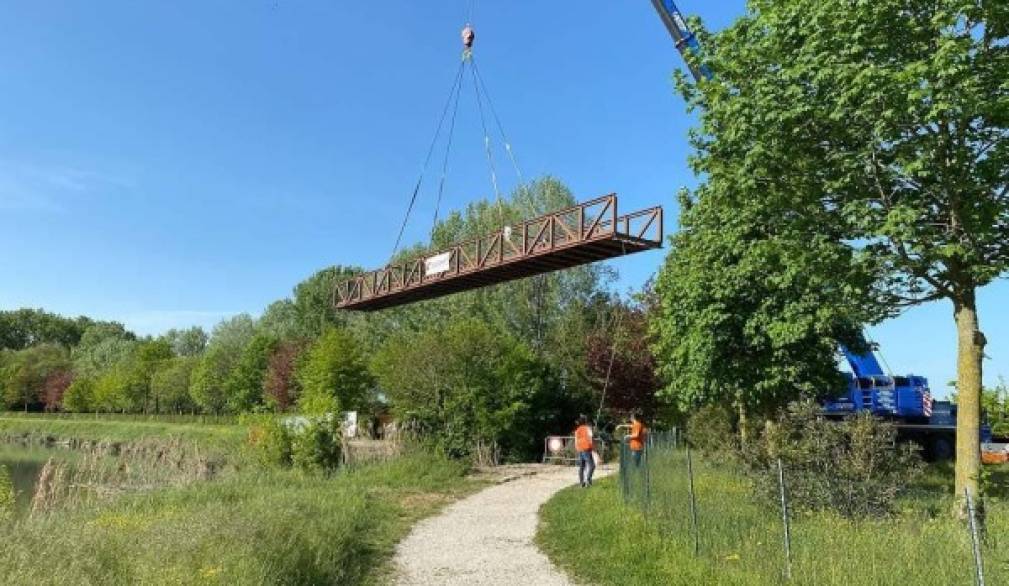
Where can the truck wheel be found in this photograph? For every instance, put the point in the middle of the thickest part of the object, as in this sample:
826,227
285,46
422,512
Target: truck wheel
942,448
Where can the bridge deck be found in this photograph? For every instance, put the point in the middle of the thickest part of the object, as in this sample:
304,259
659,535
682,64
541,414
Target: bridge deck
586,233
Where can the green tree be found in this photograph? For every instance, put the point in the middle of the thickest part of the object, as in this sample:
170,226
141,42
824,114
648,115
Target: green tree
245,382
102,346
209,382
115,389
170,385
749,315
26,373
334,376
80,395
882,125
475,390
149,357
23,328
188,342
209,377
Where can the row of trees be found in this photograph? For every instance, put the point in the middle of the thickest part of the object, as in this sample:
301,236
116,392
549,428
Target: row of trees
492,370
856,161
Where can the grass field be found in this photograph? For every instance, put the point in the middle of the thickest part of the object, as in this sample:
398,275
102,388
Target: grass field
17,428
249,526
600,540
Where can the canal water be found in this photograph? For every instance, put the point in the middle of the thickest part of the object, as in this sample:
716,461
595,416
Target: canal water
24,464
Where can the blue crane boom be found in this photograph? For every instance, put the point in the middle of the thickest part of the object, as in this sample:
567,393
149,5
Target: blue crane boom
906,399
686,42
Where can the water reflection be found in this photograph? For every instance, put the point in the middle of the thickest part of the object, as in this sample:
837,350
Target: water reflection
24,465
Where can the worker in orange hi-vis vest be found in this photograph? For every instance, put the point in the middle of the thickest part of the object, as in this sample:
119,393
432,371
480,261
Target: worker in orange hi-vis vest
583,444
637,437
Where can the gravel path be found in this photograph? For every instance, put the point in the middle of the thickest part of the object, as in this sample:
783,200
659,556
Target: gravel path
487,538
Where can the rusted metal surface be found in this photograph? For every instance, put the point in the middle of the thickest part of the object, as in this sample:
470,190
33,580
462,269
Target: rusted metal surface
586,233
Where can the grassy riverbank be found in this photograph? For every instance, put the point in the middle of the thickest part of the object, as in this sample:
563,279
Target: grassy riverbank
600,540
249,526
18,428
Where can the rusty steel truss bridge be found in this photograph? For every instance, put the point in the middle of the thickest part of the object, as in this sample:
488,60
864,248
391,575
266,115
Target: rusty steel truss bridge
586,233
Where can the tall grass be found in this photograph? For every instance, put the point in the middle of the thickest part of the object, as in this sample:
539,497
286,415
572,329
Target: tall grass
257,527
603,540
85,432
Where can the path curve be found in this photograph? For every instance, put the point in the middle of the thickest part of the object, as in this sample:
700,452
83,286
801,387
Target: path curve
487,538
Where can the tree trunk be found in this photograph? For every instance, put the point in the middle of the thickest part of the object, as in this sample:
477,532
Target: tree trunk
970,350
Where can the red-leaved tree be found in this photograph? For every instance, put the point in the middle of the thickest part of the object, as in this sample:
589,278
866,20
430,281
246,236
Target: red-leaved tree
53,388
280,387
621,350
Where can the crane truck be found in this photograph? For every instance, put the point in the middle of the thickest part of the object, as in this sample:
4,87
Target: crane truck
905,400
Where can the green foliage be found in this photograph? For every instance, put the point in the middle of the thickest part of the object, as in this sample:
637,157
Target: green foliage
711,430
245,383
23,328
115,389
80,395
25,373
597,539
7,495
470,387
866,138
189,342
270,440
207,383
853,467
102,346
253,527
334,376
170,385
317,445
995,402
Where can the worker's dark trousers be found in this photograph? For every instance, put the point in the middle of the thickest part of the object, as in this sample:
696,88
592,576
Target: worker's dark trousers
585,461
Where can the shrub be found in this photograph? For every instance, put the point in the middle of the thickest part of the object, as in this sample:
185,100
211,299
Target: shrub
318,445
709,430
270,440
854,467
310,444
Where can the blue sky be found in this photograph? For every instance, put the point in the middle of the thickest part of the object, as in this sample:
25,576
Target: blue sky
167,164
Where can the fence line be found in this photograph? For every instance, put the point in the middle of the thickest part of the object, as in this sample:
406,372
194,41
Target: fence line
708,508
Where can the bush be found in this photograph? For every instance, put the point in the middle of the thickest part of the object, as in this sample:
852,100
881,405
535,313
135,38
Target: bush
310,444
854,467
318,445
710,430
269,440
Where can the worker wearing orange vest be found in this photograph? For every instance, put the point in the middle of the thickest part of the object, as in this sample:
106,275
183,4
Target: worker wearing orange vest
583,445
636,439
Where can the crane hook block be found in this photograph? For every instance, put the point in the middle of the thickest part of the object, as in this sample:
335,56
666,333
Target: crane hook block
468,36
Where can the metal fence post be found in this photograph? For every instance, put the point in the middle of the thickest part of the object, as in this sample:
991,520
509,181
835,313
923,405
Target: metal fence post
693,503
624,473
978,563
647,455
784,521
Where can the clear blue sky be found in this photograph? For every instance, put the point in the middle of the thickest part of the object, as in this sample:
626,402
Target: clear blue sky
167,164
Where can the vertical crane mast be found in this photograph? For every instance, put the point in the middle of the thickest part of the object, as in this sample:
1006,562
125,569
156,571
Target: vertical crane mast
686,42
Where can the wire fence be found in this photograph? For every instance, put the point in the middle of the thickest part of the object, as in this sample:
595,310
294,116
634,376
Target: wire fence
706,508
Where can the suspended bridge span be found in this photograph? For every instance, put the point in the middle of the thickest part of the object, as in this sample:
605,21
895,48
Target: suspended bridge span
586,233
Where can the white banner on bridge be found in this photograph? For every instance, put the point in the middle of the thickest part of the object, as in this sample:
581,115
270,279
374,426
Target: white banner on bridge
438,264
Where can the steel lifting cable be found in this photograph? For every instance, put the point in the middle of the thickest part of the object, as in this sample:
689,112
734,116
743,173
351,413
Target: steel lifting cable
456,86
497,120
487,149
448,149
